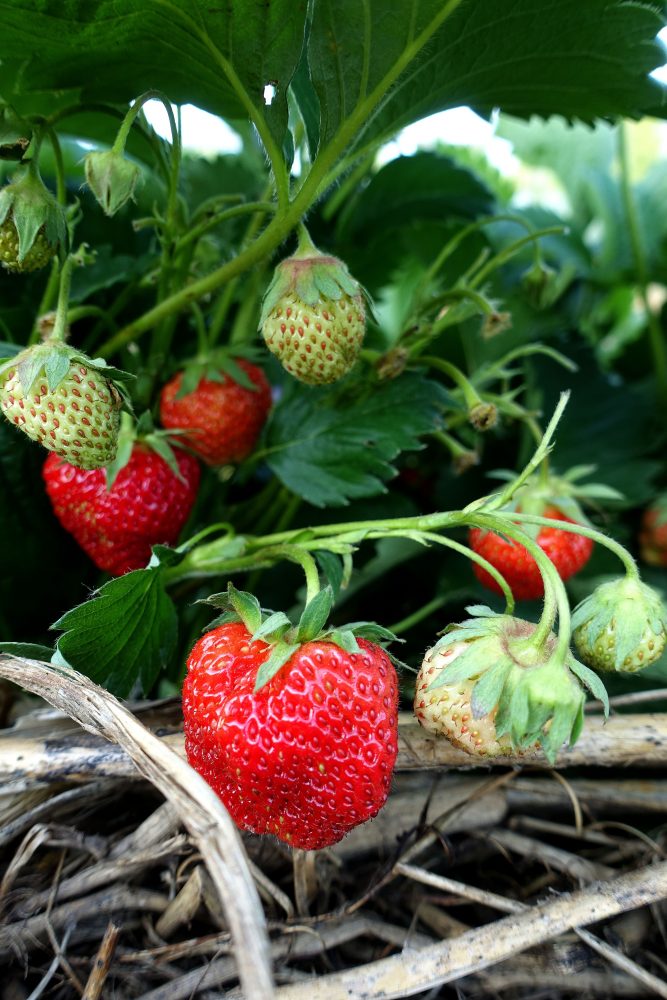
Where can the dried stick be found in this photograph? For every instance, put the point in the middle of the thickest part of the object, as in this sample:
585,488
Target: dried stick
621,741
199,807
406,974
100,969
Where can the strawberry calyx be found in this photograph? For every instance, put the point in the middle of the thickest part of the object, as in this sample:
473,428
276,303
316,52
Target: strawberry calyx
284,637
621,626
545,495
52,359
311,276
218,365
143,432
33,210
535,692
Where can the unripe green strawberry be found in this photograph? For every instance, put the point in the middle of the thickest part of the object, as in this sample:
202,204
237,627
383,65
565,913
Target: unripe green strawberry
621,626
495,685
32,223
313,316
63,400
38,256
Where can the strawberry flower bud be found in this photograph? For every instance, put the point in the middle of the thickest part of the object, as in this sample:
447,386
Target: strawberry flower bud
621,626
112,178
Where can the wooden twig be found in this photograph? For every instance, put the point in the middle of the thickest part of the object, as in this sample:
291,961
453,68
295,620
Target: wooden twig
621,741
407,974
100,969
199,807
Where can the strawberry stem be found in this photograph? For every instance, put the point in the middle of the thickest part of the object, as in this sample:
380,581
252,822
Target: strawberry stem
555,598
470,394
59,332
582,529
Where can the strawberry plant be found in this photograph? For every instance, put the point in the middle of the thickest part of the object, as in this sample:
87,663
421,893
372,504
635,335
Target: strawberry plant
319,356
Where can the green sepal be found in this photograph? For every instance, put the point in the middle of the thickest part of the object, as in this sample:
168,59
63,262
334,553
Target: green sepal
273,627
373,632
344,638
332,567
28,369
280,654
112,178
471,662
591,681
246,606
315,615
126,439
226,618
488,689
56,367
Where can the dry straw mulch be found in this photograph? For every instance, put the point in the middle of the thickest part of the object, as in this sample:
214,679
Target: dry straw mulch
121,875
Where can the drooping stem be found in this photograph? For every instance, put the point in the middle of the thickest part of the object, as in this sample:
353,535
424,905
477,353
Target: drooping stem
554,591
583,529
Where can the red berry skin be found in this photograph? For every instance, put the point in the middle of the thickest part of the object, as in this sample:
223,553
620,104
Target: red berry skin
307,757
147,505
223,419
653,537
568,552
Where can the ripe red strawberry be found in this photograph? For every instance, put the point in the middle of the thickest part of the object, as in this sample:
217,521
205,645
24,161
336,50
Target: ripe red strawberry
653,534
147,505
309,755
223,419
568,552
447,710
76,416
313,316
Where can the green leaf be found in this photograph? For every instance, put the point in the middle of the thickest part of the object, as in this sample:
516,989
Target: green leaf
329,448
218,56
31,650
423,186
315,615
124,635
534,57
279,656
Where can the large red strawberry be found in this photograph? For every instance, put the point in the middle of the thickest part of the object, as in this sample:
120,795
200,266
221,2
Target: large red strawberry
568,551
222,418
147,505
653,534
313,315
309,755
